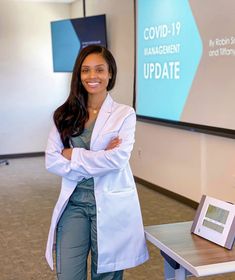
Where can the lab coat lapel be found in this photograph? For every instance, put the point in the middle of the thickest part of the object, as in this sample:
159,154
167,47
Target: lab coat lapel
102,118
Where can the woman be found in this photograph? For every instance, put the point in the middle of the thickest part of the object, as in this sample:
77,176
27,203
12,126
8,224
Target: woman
89,147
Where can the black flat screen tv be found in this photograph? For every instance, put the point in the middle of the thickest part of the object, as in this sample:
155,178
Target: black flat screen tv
185,64
71,35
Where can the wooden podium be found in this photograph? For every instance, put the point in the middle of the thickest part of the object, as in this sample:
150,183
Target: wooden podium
193,255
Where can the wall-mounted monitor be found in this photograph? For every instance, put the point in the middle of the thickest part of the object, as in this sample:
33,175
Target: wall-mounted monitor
71,35
185,64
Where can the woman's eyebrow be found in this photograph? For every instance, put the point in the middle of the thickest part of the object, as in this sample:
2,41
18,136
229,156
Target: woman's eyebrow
98,65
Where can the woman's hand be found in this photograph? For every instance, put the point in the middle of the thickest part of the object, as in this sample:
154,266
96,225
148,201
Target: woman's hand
67,153
115,142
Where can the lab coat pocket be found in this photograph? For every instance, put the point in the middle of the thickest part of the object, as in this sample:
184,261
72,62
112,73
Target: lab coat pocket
122,191
120,206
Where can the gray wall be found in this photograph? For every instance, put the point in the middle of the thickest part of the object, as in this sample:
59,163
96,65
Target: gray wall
29,90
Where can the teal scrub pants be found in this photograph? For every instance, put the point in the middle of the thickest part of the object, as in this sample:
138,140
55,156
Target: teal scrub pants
76,237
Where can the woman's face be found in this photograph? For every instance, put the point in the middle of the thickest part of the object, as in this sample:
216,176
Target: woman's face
95,74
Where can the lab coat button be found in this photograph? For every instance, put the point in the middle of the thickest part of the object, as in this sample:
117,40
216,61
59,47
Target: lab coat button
99,209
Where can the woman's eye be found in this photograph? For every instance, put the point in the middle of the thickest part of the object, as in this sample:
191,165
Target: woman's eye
84,70
99,70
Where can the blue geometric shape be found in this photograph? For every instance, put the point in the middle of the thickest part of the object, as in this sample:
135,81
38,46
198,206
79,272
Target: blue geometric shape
65,45
169,50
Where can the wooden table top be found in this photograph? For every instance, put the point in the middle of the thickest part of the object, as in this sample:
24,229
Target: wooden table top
198,255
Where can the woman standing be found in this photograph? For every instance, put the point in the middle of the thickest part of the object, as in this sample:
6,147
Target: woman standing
89,147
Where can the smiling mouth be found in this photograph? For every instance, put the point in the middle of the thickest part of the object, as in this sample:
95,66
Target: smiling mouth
93,84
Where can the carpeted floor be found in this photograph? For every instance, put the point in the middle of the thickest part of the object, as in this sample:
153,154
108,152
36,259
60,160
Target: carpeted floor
27,197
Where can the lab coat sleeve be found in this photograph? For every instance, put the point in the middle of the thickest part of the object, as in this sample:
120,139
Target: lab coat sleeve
55,162
98,163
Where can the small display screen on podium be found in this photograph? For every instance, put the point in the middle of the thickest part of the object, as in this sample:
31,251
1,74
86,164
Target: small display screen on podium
215,221
215,218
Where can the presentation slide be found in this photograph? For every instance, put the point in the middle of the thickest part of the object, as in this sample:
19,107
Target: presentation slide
185,61
69,36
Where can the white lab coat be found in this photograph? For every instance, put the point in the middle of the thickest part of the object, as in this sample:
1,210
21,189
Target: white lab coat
120,233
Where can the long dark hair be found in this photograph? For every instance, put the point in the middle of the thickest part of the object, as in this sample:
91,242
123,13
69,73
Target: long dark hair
71,116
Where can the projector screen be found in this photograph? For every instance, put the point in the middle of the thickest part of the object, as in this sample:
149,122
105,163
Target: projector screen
185,64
